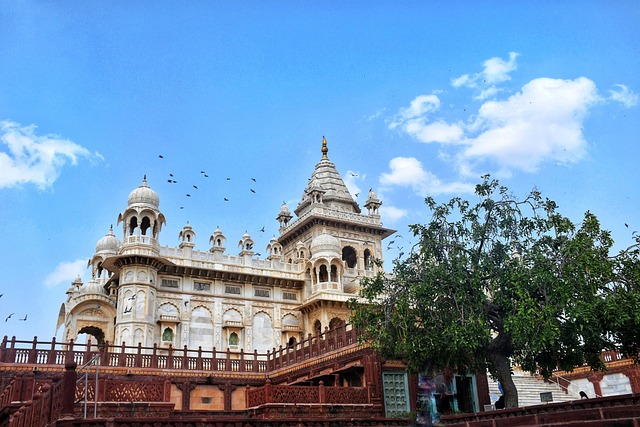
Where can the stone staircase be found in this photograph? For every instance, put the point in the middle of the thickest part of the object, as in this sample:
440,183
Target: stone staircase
529,389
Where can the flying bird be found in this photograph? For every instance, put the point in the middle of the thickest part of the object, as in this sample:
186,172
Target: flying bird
357,194
9,317
228,179
202,172
169,181
262,229
206,176
253,179
181,207
185,303
188,195
131,298
160,155
127,309
170,174
226,200
195,187
24,318
252,190
353,174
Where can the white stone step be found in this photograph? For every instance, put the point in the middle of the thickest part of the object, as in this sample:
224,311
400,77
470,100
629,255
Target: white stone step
529,389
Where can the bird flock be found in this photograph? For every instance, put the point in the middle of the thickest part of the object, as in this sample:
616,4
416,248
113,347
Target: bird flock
197,188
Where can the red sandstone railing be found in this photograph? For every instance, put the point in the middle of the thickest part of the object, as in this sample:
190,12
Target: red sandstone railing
270,393
44,407
54,353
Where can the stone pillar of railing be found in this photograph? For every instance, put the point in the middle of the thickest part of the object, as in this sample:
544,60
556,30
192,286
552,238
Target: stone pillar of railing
214,360
27,386
69,385
255,361
138,361
51,355
167,391
33,351
154,356
268,391
170,358
3,349
185,358
242,368
199,359
12,351
322,392
122,357
227,363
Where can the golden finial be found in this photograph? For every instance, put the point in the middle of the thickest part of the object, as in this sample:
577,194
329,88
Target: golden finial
325,150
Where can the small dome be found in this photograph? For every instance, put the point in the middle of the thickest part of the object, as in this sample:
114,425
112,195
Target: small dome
144,194
284,209
325,244
108,243
92,287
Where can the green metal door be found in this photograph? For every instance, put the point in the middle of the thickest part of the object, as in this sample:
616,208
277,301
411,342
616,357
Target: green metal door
395,388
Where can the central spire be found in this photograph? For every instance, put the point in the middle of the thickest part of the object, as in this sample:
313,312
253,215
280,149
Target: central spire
324,150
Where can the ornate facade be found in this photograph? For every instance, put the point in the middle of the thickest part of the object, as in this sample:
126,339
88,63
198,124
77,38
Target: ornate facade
143,292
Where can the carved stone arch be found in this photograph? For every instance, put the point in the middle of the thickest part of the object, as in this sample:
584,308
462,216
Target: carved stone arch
232,314
169,308
94,331
350,256
336,322
263,331
317,327
201,327
138,337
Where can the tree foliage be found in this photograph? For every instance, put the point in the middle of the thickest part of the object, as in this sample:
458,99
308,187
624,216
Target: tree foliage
504,281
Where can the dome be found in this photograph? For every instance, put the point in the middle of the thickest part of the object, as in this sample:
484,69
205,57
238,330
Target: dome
325,244
144,194
108,243
92,287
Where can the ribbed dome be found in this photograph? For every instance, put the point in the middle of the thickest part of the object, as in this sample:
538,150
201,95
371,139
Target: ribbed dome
108,243
144,194
92,287
326,245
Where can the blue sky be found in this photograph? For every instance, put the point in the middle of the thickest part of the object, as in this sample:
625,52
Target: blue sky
415,99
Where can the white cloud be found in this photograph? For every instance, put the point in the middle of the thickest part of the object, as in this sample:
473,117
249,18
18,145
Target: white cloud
496,70
543,122
408,172
66,272
30,158
375,115
624,95
418,108
392,213
414,121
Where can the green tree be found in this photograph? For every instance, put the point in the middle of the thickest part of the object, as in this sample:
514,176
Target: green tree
504,281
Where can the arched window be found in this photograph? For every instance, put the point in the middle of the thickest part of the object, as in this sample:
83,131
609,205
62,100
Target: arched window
146,223
167,335
324,274
335,323
233,339
334,273
133,224
349,256
368,260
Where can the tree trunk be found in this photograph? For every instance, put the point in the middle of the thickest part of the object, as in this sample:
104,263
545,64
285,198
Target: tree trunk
502,366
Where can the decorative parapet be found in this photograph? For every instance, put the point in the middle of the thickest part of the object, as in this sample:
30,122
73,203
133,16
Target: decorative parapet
372,221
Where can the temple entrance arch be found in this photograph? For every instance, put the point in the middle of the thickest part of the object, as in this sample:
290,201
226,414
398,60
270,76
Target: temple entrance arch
93,331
